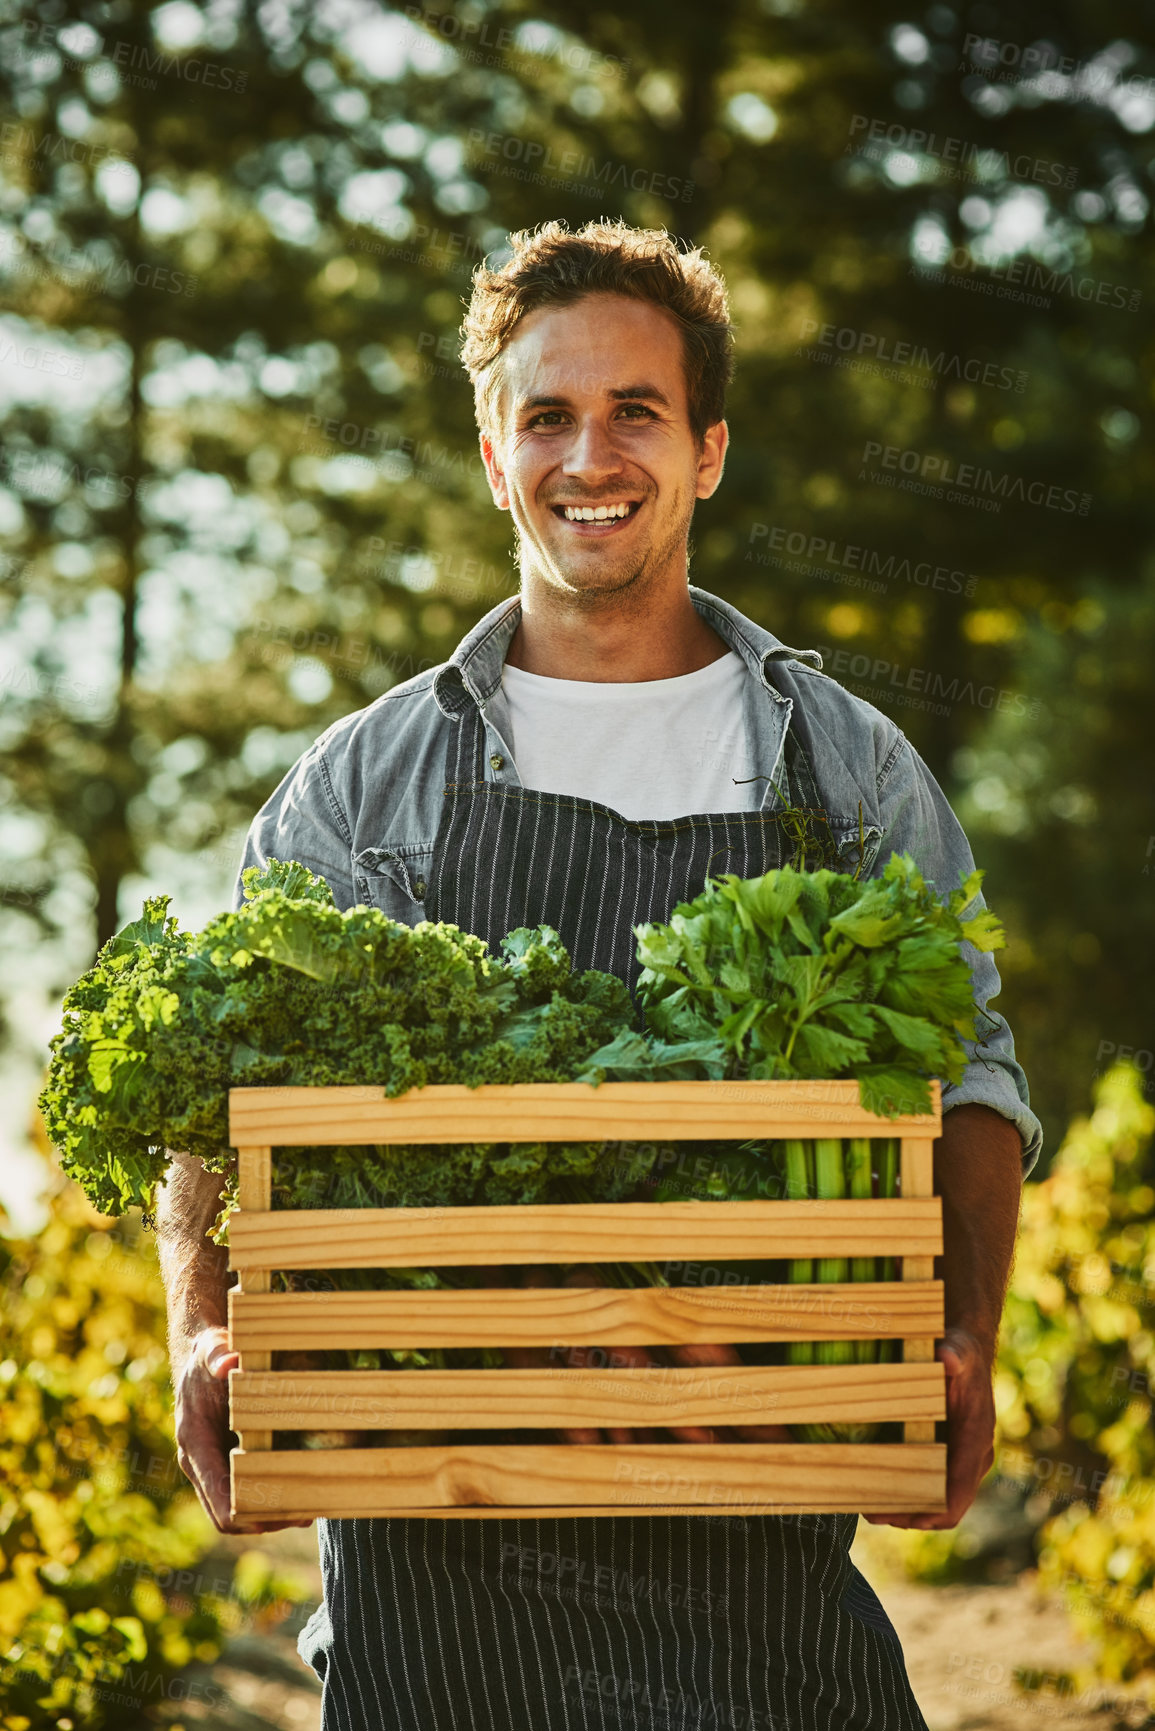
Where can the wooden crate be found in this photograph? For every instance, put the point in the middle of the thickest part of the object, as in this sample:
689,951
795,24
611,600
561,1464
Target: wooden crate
558,1478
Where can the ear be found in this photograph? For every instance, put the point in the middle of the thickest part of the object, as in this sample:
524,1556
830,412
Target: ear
712,459
494,473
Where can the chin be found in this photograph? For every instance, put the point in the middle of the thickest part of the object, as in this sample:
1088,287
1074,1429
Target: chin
597,583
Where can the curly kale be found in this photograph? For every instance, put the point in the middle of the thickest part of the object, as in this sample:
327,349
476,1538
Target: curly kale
289,990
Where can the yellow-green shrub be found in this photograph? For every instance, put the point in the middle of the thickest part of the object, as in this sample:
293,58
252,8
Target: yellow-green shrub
96,1520
1076,1368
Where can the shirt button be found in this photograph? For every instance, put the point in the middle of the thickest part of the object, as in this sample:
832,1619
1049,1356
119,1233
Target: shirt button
497,761
419,888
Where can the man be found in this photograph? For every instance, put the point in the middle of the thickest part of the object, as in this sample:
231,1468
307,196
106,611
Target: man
591,751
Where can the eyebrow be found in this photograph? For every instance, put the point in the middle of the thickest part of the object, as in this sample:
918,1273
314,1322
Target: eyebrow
628,393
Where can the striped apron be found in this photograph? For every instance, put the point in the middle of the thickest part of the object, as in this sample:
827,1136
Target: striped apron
656,1622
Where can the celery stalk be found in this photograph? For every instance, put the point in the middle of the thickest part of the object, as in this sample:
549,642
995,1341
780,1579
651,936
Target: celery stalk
799,1159
887,1186
861,1267
830,1185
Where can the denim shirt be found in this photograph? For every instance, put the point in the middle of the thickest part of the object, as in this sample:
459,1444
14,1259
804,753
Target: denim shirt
362,806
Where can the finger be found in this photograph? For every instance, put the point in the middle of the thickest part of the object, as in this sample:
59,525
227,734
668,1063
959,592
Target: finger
203,1463
212,1480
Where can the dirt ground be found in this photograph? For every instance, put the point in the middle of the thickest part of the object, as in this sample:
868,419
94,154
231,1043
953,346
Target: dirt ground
963,1645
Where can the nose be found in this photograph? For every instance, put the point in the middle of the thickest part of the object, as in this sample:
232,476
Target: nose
592,456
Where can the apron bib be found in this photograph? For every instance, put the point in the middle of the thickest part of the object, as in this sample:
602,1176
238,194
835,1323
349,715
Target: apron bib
736,1623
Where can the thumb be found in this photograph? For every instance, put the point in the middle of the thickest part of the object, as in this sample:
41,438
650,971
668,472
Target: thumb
958,1350
950,1358
219,1358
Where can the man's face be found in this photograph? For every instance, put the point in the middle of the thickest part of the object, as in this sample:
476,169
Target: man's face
593,417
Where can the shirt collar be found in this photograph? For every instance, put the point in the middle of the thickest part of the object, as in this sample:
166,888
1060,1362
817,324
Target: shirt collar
473,671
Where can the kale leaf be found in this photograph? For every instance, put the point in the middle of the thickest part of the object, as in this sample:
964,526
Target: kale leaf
289,990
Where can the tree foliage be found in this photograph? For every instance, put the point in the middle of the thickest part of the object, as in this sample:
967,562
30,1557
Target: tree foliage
261,504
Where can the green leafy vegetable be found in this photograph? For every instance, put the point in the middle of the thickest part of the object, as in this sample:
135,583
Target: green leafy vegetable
287,989
792,975
797,975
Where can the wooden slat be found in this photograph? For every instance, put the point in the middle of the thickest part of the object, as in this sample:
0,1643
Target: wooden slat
816,1477
558,1397
589,1316
582,1232
559,1112
255,1187
713,1511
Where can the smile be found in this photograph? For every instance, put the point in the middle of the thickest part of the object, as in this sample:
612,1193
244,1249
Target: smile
605,517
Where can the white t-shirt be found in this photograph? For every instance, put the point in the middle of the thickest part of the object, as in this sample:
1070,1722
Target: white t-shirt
659,748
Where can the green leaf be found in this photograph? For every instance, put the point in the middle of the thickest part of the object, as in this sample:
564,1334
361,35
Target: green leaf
892,1092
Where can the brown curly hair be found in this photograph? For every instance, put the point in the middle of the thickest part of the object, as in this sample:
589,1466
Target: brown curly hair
551,266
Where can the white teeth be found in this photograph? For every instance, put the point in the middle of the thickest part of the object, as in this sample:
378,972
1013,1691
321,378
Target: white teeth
595,513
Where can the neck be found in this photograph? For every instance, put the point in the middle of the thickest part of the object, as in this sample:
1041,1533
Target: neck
622,640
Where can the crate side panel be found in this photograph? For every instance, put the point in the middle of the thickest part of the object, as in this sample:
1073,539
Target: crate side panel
534,1399
590,1316
559,1112
584,1232
348,1482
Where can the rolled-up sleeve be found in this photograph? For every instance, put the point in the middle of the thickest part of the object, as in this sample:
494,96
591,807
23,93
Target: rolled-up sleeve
917,819
302,820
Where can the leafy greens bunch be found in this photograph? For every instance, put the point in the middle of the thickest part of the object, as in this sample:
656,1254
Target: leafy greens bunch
289,990
815,974
798,975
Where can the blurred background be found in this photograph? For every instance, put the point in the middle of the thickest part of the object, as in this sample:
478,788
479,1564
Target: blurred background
240,495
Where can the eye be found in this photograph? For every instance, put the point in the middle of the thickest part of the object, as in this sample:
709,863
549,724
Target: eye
547,416
638,409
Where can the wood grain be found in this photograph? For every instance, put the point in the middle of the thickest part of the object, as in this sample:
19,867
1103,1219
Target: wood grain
584,1316
560,1112
582,1232
537,1399
777,1478
255,1188
918,1180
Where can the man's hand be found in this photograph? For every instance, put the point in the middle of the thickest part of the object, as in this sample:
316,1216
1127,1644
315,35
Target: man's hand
202,1430
970,1418
701,1355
